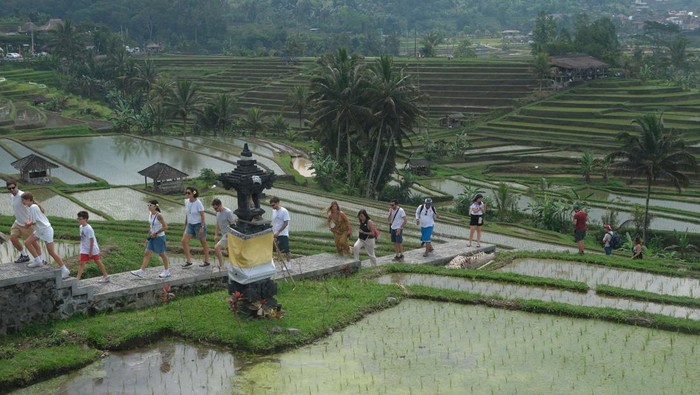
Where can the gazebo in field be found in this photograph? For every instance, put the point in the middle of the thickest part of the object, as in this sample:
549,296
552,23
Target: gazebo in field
577,68
421,167
34,169
166,179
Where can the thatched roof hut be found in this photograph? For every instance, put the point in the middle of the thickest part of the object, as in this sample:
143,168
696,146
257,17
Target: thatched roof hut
578,67
166,179
34,169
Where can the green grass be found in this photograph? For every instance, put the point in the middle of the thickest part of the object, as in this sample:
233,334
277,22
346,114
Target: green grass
648,296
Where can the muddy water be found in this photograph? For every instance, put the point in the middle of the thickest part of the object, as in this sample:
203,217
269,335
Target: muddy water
64,250
417,347
511,291
302,165
594,275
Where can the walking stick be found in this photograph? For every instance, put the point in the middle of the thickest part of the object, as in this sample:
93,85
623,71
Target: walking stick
280,257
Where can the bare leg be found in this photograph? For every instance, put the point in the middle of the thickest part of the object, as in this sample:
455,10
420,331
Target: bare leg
203,240
164,257
146,259
471,235
478,236
15,242
52,251
81,267
186,246
219,255
102,267
32,245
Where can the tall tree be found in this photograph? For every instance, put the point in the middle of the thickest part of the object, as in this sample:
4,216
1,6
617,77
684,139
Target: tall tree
65,41
543,33
336,92
655,153
183,101
396,105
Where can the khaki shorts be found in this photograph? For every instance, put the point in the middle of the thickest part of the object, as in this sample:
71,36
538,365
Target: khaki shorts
18,230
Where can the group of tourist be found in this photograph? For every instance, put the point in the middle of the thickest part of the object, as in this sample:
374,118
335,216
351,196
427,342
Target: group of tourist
611,240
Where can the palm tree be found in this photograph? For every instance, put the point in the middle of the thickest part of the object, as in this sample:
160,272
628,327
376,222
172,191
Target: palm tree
655,154
506,200
298,100
587,164
254,121
396,104
65,42
218,114
183,101
337,97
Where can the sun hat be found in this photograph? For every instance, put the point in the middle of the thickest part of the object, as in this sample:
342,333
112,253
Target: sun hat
428,201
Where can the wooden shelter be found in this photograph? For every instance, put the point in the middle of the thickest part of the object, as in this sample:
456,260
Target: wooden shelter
166,179
567,69
420,167
452,120
34,169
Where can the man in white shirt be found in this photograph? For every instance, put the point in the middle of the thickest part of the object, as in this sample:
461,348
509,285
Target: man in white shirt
18,227
280,228
224,219
425,218
397,220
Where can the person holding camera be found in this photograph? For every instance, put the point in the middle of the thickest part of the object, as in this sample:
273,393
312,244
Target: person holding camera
476,218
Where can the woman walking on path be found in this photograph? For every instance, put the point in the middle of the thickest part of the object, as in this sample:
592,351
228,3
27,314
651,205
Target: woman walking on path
194,226
476,218
42,231
367,237
339,225
155,242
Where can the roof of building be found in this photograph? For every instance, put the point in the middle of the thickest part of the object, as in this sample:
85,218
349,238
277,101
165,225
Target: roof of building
161,171
419,162
33,162
577,62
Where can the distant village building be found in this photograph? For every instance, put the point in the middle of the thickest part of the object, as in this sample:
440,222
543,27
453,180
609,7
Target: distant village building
34,169
452,120
166,179
421,167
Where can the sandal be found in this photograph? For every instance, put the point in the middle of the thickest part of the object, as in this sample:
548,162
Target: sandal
205,264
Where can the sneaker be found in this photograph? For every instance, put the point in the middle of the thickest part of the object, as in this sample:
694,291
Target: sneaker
65,273
164,274
36,264
401,258
187,265
395,258
425,254
22,259
205,264
103,280
139,273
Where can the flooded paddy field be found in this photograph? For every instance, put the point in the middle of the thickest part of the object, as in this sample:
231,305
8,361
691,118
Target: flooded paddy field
417,347
594,275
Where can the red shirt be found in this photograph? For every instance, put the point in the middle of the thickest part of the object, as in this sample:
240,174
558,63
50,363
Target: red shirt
580,218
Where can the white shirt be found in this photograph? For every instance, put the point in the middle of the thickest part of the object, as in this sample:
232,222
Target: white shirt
426,216
21,211
476,208
397,218
38,218
87,233
156,226
279,217
194,211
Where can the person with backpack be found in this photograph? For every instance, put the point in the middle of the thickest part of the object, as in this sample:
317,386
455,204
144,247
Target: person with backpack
425,217
611,240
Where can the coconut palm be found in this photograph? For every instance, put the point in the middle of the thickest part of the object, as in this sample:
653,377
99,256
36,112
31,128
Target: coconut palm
506,200
254,121
587,164
337,96
298,100
396,105
65,42
655,154
183,101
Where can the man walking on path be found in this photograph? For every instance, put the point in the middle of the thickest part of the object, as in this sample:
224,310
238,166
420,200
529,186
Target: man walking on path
224,219
425,217
18,227
580,218
280,228
397,220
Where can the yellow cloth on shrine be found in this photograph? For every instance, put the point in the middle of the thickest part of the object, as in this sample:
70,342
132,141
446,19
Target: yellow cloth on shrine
247,253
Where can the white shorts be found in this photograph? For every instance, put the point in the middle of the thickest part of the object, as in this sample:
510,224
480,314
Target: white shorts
45,235
223,243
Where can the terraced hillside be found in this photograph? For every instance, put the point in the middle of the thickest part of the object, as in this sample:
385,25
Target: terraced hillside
469,87
591,116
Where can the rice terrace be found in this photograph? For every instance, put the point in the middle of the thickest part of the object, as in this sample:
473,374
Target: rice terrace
520,309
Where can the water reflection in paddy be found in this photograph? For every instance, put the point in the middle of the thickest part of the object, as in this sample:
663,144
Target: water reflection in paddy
54,205
118,159
511,291
166,368
66,175
594,275
64,250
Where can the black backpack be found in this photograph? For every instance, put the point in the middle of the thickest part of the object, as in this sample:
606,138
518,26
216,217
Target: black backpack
615,241
422,206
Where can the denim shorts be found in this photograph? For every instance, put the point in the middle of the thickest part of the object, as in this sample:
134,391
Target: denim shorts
156,244
193,229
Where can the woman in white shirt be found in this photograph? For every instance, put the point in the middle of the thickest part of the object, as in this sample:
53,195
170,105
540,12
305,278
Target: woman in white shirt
476,218
42,231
